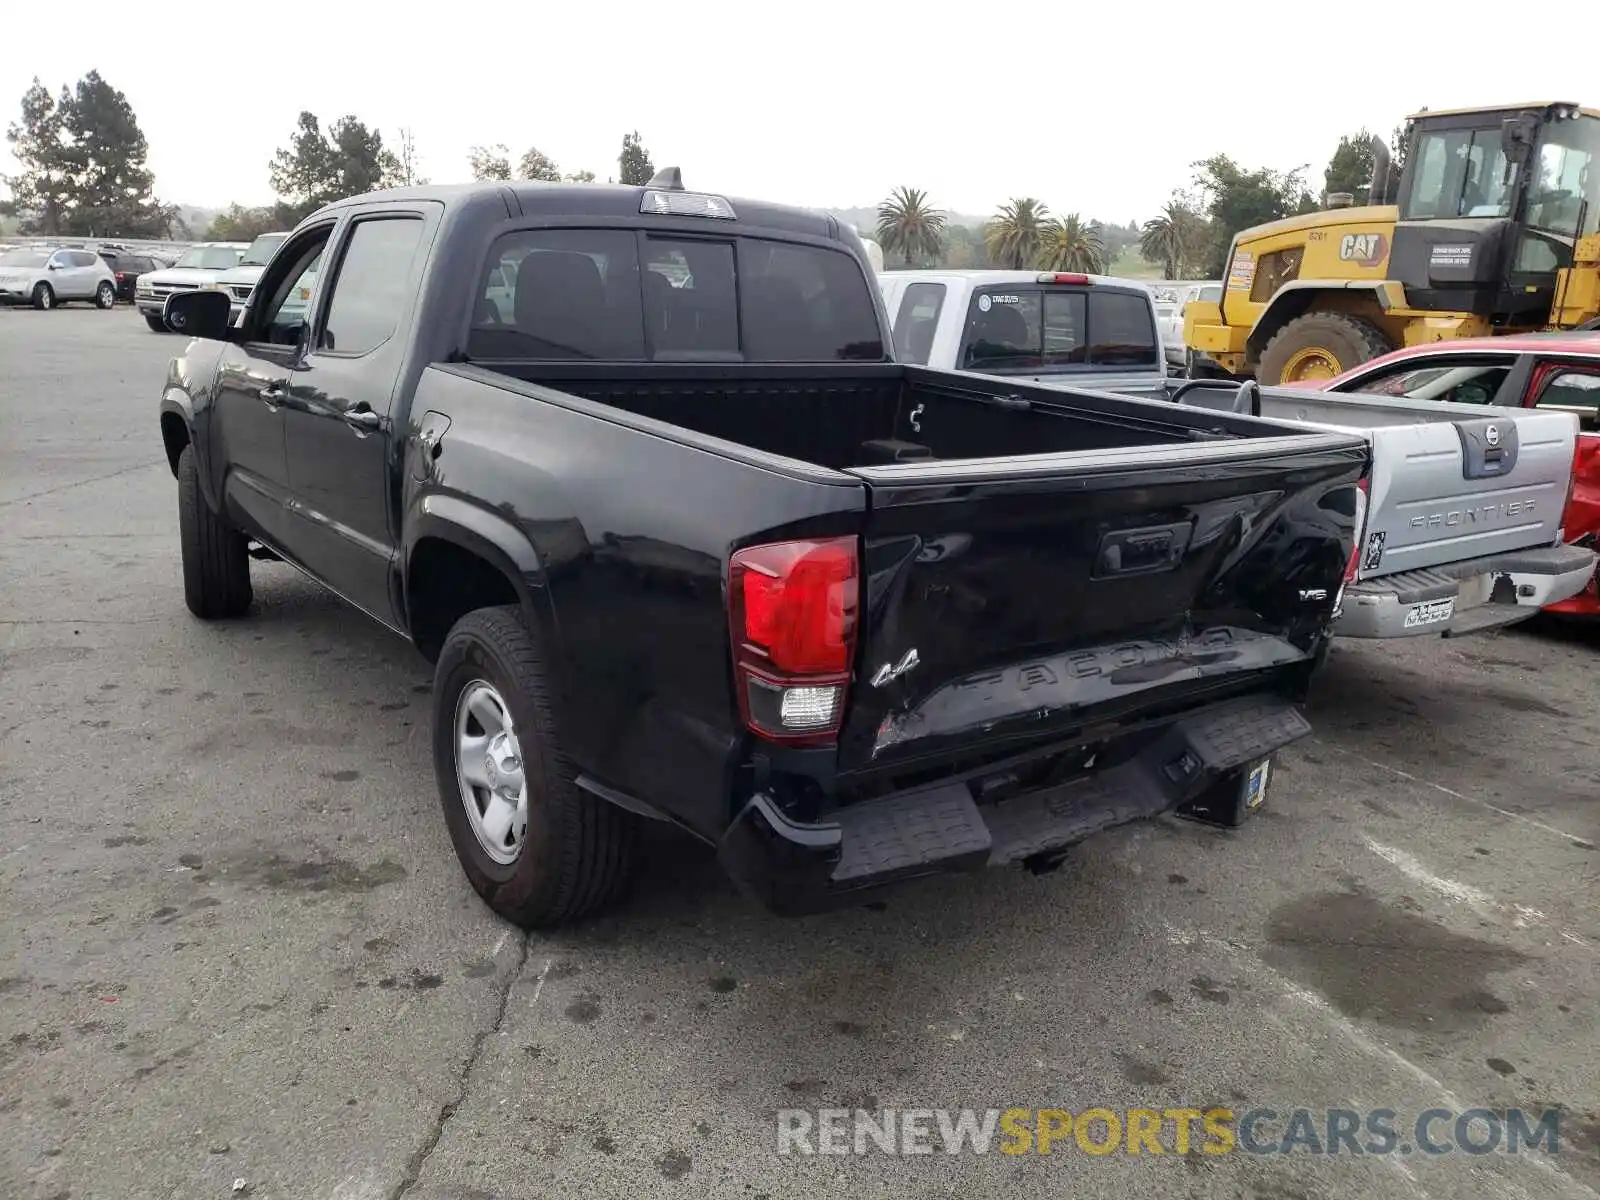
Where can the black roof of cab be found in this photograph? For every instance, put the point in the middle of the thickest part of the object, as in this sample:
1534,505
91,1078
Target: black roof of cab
596,200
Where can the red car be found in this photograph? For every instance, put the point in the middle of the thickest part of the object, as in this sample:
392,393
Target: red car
1544,370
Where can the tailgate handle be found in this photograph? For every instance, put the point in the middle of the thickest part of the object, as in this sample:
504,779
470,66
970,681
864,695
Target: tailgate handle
1488,447
1143,551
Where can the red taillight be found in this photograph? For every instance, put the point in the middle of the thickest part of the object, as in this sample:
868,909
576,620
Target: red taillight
119,276
1062,277
1354,564
792,612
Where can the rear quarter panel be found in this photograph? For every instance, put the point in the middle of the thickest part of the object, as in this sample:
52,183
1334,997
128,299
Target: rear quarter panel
629,526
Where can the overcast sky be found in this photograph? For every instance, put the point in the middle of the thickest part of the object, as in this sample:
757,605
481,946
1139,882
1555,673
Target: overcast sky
1095,108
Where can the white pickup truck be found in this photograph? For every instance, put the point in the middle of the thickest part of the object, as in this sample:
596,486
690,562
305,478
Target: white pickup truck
1461,510
1052,327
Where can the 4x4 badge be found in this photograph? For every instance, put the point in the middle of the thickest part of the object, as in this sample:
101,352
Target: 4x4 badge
888,674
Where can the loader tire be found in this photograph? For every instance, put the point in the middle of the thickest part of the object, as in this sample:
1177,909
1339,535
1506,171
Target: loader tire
1319,346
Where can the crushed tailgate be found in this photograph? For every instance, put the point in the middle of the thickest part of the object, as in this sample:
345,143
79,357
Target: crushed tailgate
1015,601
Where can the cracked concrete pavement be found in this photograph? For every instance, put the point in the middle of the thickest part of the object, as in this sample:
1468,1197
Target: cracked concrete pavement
237,944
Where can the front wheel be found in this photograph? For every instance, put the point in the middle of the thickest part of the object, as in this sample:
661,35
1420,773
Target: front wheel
216,557
105,295
157,325
537,848
44,297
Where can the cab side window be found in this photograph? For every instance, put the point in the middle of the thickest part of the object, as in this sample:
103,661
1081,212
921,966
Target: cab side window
1574,392
372,285
284,299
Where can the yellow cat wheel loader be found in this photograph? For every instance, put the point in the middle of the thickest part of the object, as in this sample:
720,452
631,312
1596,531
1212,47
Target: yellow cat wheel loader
1495,229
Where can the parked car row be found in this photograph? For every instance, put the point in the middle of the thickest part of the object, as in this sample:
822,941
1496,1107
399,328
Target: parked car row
47,276
1171,298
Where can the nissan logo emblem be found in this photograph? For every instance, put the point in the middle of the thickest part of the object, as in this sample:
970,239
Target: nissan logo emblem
1491,434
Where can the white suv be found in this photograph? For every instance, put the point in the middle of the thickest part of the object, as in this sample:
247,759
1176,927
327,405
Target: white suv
46,278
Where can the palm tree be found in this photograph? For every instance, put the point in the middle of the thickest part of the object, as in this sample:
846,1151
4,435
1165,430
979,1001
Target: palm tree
1073,244
907,225
1173,239
1013,237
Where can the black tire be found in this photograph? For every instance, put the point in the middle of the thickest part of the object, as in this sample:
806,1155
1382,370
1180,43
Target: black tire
105,296
216,558
579,850
44,296
157,325
1345,341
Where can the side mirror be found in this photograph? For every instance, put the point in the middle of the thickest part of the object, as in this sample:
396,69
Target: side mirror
199,313
52,265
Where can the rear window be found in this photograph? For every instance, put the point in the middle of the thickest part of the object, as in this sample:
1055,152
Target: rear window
1033,329
917,322
606,294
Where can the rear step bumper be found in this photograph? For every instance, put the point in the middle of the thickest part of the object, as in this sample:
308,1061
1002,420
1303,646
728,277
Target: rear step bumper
1465,597
795,867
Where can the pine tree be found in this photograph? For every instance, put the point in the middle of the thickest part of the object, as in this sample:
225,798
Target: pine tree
634,162
113,189
316,169
41,191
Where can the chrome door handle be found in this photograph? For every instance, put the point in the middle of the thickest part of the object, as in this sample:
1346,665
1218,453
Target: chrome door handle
271,394
363,418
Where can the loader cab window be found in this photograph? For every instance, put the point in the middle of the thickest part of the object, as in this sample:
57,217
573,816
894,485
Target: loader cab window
1564,185
1460,173
1563,195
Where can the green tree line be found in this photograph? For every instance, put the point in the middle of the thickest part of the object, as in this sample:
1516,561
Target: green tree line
1188,239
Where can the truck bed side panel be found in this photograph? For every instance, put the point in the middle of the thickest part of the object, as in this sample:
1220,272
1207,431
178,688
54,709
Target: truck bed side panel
631,532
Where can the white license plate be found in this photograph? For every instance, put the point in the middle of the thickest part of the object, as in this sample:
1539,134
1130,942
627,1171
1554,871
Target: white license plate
1255,785
1430,613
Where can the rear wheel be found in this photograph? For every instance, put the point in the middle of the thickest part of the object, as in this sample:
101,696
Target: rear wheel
105,295
44,296
540,850
1319,346
216,557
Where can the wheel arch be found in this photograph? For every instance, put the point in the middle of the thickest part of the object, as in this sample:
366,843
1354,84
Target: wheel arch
176,432
487,560
1369,298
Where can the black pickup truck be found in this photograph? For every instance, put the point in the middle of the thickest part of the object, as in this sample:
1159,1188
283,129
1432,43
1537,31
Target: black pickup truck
635,468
